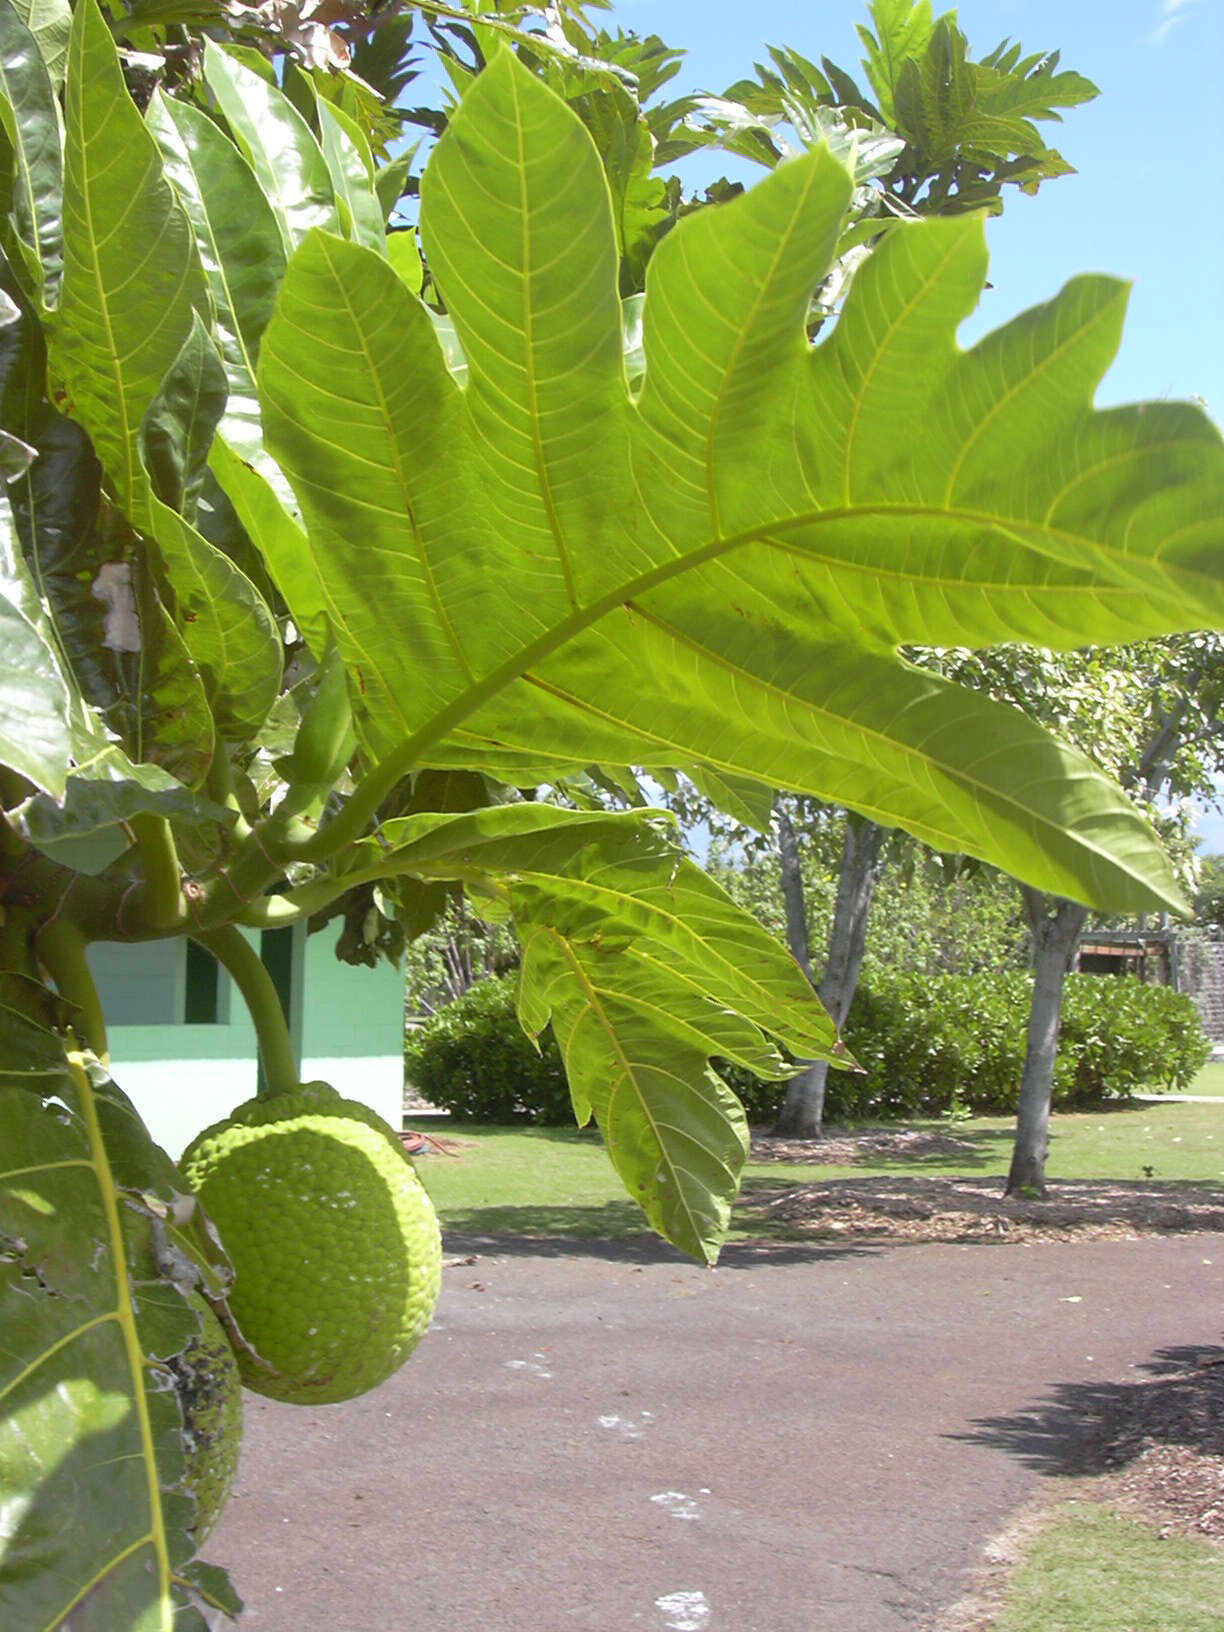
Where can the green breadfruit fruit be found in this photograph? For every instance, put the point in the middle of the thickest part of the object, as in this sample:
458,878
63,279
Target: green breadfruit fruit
209,1392
335,1245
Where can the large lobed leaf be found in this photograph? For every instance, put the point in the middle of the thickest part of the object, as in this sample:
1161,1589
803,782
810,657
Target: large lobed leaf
98,1234
540,570
646,969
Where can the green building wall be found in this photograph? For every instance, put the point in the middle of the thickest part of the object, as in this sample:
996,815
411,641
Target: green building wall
183,1074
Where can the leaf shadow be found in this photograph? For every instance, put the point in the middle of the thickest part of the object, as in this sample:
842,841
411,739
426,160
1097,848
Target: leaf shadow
1088,1428
614,1233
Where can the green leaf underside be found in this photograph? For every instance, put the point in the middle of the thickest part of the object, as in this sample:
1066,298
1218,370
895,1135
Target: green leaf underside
618,880
131,287
90,1423
721,570
675,1133
240,250
647,970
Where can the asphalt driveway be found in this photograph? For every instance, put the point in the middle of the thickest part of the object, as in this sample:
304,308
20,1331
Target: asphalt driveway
608,1438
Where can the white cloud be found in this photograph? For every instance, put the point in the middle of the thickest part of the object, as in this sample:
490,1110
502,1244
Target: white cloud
1172,12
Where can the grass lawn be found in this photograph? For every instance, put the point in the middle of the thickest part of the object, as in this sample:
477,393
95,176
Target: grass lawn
558,1181
1092,1571
1210,1080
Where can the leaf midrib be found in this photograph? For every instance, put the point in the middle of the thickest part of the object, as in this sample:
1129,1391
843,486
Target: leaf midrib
1026,815
582,618
126,1315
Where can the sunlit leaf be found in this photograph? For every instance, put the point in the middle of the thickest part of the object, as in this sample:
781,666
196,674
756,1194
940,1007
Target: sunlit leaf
286,158
352,171
31,121
129,294
538,572
647,970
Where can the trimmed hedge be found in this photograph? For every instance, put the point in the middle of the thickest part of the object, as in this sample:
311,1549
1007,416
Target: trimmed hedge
935,1043
473,1059
930,1044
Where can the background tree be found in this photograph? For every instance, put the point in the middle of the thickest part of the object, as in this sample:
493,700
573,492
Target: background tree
1209,892
1152,715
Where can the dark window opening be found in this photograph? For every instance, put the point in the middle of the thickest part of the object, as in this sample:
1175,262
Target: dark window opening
276,954
200,1006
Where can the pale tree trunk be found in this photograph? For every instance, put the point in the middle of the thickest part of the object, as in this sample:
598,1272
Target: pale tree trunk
792,891
1056,925
802,1113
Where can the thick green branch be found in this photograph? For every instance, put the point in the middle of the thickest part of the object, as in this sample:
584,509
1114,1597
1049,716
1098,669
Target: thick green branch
60,947
243,964
279,911
219,786
163,892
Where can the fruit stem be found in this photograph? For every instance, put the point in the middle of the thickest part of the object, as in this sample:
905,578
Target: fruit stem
239,958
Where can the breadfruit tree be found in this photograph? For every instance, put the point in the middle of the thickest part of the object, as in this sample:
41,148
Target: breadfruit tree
305,574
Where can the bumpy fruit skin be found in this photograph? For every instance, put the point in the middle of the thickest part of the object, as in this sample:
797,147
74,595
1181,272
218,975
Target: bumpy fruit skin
335,1245
210,1397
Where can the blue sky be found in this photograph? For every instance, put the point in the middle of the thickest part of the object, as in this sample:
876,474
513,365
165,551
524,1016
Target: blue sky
1144,205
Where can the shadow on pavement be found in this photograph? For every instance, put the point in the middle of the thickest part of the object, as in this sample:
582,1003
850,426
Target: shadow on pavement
1098,1427
470,1238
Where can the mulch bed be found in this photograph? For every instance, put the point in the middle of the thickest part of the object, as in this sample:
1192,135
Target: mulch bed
1162,1450
920,1207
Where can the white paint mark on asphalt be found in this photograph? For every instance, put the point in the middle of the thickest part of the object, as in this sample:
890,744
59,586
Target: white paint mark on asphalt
626,1429
531,1366
684,1611
625,1426
678,1504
